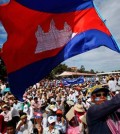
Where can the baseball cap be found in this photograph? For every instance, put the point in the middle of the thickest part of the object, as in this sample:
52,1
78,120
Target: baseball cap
59,111
103,89
51,119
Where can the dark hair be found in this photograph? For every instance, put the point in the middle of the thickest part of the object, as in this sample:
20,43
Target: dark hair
11,124
22,113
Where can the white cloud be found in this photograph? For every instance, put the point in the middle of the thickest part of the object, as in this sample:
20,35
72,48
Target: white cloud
100,59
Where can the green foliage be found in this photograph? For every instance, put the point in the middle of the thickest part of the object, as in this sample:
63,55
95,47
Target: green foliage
3,73
58,70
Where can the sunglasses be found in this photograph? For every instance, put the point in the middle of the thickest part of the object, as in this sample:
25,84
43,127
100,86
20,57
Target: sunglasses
101,94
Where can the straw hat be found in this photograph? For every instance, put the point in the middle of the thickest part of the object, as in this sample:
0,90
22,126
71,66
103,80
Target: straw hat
53,108
79,108
5,105
70,102
70,114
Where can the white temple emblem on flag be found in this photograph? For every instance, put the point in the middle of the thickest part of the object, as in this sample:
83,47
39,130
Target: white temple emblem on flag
53,39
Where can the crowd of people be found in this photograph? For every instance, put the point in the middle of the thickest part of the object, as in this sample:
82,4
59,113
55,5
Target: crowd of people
49,107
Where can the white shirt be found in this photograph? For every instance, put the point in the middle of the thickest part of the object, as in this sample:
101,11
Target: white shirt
60,126
26,128
14,112
47,131
18,106
112,85
71,97
7,115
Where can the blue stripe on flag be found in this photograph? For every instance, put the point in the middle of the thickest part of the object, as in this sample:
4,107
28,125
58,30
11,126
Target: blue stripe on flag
56,6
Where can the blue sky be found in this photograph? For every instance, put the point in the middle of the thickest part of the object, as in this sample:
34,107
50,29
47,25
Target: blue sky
100,59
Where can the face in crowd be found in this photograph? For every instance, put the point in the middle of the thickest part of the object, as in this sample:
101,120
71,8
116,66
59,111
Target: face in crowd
10,130
99,97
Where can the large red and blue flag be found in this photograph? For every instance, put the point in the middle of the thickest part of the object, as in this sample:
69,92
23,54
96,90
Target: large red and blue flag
43,33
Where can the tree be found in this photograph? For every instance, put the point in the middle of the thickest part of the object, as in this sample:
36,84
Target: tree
3,73
82,69
92,71
58,70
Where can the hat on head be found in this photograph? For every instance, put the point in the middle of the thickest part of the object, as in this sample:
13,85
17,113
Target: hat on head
79,108
23,115
102,89
51,119
70,102
59,111
5,105
52,100
53,108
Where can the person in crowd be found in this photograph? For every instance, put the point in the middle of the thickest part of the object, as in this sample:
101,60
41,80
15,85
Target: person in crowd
112,85
59,104
11,129
71,95
26,106
73,127
60,123
45,117
17,105
38,123
51,126
6,113
15,115
79,111
25,126
103,116
36,104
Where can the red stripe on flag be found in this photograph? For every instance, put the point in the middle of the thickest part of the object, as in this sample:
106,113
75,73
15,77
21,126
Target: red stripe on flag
21,25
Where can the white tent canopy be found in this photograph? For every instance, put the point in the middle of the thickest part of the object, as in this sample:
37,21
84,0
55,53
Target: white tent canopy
107,73
66,73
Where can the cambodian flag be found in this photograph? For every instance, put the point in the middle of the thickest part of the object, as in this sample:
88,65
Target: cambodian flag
43,33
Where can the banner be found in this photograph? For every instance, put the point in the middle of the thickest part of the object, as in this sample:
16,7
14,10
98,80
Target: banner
73,81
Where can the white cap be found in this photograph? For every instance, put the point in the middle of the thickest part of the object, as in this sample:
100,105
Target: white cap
51,119
52,100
